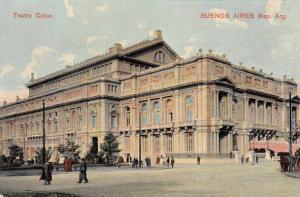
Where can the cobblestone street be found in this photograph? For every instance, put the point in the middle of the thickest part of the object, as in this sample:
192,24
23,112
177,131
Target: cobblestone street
264,179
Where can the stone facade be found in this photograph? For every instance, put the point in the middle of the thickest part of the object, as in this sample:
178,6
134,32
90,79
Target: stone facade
202,105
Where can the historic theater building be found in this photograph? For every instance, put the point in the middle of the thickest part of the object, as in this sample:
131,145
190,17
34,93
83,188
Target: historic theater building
201,105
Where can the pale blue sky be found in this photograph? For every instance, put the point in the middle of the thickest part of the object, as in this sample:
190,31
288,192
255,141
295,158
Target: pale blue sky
81,29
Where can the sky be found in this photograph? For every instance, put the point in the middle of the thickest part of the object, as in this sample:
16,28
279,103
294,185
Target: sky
80,29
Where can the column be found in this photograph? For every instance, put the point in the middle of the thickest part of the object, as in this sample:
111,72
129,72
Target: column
265,118
161,144
246,109
256,112
196,150
177,107
217,104
229,97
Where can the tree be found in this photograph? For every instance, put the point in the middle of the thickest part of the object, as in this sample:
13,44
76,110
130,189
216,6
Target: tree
39,155
110,147
69,150
14,152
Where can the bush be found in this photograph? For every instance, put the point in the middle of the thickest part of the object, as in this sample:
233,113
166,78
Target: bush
3,159
91,157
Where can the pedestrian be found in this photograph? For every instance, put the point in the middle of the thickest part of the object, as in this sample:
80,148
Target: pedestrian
242,159
82,171
168,161
247,159
48,168
157,160
198,160
172,162
256,158
135,160
127,159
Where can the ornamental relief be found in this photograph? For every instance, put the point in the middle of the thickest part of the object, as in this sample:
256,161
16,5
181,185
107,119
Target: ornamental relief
219,71
265,84
143,82
249,80
155,78
127,85
168,77
73,94
257,83
189,71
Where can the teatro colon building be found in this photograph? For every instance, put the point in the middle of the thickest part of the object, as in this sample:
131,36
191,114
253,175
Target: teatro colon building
204,105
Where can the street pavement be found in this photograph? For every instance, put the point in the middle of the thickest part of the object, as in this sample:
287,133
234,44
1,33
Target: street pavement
205,180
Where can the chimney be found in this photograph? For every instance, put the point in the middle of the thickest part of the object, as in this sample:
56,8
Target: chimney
157,34
32,77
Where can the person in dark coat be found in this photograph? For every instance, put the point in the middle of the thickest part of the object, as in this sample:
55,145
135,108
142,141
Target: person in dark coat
168,161
256,158
242,159
198,160
82,171
47,173
172,162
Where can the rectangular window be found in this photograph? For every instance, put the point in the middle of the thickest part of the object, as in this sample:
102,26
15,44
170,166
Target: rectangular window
114,122
79,123
94,121
189,142
169,143
156,119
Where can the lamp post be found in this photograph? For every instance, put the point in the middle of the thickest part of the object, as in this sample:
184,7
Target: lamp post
44,134
290,134
140,145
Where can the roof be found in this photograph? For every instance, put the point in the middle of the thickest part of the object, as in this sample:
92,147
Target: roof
113,54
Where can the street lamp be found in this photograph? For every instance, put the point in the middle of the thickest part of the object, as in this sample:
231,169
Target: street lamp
290,136
44,134
140,145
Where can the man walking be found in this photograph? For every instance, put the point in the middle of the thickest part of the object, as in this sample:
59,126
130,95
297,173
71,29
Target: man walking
198,160
172,162
256,158
242,159
82,172
168,161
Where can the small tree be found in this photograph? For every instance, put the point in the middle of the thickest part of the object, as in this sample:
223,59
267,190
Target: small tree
69,150
39,155
14,152
110,147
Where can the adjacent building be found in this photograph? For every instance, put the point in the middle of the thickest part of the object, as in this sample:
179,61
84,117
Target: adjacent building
203,105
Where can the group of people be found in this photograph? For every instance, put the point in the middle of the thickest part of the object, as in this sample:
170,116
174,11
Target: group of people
247,159
46,174
169,162
172,162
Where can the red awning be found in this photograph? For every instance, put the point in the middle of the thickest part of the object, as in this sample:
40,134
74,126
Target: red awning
278,147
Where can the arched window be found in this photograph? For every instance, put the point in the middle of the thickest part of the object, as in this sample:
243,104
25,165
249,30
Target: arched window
189,108
127,116
156,112
159,57
169,111
144,114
